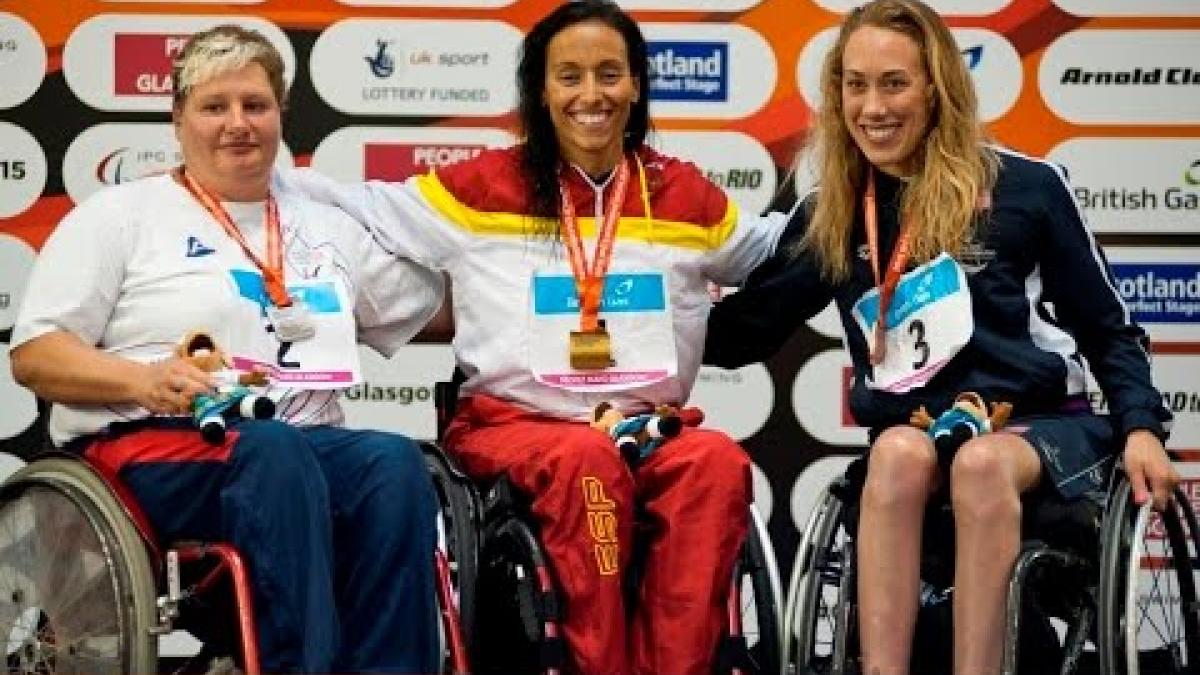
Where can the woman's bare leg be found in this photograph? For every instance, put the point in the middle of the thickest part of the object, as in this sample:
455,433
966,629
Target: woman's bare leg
901,474
987,477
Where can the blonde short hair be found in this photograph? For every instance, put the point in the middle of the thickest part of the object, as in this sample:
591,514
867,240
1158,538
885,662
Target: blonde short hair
223,49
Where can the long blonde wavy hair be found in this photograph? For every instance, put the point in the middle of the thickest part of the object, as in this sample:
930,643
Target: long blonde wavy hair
954,164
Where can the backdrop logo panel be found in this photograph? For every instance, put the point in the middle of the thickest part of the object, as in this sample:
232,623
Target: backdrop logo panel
685,5
689,71
401,67
22,170
397,394
1161,288
1135,185
1123,77
1175,377
22,60
1130,7
708,71
819,396
195,2
735,161
944,7
16,262
395,153
19,404
116,153
398,161
143,63
427,3
737,402
993,62
123,62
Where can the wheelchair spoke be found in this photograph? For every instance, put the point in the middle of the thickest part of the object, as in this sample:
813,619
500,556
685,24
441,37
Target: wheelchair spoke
58,604
1158,632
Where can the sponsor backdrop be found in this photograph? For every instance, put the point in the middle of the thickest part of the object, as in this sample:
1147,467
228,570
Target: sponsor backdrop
386,88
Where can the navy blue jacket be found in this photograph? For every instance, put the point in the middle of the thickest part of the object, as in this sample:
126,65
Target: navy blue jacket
1043,299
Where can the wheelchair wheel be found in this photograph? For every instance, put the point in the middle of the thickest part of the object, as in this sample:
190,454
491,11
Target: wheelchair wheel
1148,606
819,620
458,531
756,582
516,592
76,589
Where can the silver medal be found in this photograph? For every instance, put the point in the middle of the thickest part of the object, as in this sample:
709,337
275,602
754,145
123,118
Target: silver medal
292,323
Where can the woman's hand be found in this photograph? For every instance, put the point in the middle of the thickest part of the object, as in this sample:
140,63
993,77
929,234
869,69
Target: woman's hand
1150,472
168,386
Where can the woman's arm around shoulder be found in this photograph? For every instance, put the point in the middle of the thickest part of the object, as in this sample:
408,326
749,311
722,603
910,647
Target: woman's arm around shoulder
781,293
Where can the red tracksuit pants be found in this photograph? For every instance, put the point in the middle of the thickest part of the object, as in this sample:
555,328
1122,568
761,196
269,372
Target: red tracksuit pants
695,492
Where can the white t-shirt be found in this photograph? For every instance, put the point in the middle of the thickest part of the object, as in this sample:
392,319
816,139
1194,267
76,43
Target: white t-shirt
136,267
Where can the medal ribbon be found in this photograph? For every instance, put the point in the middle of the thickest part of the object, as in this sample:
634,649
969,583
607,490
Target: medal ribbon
589,283
896,265
272,269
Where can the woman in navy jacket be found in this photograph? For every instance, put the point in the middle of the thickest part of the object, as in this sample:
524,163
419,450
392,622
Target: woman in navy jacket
987,280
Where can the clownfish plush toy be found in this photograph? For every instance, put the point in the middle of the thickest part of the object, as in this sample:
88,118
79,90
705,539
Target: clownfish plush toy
638,436
967,418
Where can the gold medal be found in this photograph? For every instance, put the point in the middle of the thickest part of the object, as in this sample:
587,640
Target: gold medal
591,349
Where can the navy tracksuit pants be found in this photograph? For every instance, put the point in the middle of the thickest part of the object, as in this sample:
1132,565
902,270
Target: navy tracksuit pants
337,528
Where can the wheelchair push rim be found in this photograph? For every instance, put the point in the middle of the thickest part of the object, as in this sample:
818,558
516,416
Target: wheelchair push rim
1150,621
819,599
76,590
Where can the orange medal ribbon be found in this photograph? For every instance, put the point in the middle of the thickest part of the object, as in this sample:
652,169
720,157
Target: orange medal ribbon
589,283
272,269
896,266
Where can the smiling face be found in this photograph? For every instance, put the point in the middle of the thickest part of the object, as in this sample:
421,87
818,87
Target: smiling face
589,91
886,97
228,129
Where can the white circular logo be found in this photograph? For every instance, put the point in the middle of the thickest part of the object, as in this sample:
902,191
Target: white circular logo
1130,7
123,61
16,262
819,398
737,402
22,170
943,7
1123,76
395,153
116,153
993,62
708,71
427,3
22,60
397,394
764,498
17,402
410,67
811,482
734,161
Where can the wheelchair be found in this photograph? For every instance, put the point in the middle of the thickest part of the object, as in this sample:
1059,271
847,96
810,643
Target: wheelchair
505,588
1094,590
86,588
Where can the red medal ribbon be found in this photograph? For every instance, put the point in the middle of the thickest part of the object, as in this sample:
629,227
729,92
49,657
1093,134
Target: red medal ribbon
272,269
589,283
895,268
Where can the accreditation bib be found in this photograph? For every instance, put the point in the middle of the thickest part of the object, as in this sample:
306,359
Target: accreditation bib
639,334
327,360
928,322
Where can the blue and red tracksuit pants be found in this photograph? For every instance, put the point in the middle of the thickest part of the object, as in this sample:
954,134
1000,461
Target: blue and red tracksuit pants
336,526
695,493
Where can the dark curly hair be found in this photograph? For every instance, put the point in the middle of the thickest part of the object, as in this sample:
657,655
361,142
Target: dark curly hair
540,152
